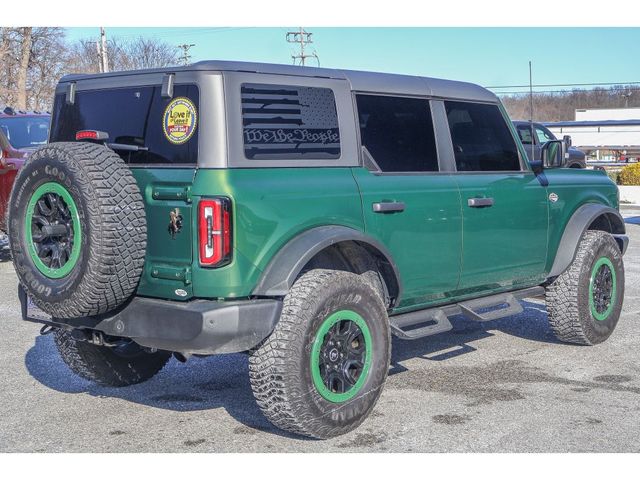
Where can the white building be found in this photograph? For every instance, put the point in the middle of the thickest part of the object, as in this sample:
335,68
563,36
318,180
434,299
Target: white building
591,114
603,133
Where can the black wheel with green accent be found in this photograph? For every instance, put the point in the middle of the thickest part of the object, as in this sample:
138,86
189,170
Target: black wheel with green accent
322,370
52,226
584,302
77,229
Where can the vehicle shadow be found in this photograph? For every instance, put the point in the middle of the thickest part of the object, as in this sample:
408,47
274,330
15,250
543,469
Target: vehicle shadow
531,324
221,381
201,384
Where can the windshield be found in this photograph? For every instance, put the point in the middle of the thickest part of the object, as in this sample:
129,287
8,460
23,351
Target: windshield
25,132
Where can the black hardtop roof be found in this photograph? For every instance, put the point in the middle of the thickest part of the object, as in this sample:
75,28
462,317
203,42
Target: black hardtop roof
359,80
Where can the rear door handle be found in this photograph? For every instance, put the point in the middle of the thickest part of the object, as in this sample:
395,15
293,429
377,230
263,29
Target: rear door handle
388,207
480,202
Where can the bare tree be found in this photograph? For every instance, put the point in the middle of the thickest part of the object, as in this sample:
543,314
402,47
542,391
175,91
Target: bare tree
22,69
49,62
147,53
32,60
133,55
83,57
556,106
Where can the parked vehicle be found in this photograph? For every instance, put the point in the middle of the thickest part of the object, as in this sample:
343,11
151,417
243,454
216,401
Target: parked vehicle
20,134
575,159
303,215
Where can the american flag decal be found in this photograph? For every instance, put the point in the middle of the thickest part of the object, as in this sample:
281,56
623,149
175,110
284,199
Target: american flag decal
289,122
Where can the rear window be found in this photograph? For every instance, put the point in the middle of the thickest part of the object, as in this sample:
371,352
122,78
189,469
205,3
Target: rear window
289,122
134,116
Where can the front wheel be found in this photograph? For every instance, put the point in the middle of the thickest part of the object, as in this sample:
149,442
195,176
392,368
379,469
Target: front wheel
321,371
585,301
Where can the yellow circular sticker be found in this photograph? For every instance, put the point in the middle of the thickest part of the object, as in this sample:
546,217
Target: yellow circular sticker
180,120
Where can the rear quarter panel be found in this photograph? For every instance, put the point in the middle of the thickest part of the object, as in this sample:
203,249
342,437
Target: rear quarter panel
270,207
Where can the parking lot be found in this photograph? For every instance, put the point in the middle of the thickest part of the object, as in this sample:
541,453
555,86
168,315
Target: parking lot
502,386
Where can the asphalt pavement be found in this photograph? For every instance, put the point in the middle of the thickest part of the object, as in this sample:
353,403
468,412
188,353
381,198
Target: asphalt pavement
502,386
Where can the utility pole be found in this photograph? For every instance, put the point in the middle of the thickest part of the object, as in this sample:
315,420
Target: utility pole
626,98
531,111
102,49
185,52
303,38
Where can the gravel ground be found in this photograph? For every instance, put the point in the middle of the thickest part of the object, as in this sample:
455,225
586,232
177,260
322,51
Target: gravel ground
503,386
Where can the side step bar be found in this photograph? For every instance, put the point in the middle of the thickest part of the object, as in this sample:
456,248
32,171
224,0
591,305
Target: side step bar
436,320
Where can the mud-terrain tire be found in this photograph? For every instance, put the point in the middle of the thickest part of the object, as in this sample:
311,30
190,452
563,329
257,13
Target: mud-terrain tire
78,229
585,301
108,366
326,314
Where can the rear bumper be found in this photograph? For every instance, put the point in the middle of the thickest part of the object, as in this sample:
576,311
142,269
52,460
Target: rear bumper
197,327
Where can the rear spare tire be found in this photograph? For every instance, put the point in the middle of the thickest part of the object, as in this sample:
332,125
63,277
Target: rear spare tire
78,229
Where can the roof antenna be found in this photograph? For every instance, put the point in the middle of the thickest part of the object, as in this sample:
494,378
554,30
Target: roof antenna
531,112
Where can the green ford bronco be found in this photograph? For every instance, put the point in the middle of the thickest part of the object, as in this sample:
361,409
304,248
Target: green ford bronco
304,216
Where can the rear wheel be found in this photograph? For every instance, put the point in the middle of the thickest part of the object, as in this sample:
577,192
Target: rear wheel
322,370
584,302
125,363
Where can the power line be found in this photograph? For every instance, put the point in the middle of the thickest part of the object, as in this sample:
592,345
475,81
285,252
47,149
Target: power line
526,92
565,85
182,32
303,38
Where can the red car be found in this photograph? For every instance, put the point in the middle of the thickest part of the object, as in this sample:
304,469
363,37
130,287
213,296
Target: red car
20,133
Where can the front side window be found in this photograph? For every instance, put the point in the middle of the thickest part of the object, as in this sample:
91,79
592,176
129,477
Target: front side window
482,141
398,133
289,122
543,136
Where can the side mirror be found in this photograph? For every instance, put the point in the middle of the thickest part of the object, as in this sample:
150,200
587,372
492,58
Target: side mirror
553,154
567,141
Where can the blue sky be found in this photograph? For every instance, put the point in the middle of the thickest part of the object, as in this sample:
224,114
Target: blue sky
488,56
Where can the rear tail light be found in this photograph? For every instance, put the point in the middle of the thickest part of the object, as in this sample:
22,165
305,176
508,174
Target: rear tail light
91,135
214,231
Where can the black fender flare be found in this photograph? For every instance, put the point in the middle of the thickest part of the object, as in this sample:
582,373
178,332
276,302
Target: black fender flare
286,265
579,222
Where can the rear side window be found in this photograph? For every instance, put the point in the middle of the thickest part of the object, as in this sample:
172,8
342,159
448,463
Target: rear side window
398,133
525,134
482,141
289,122
134,116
